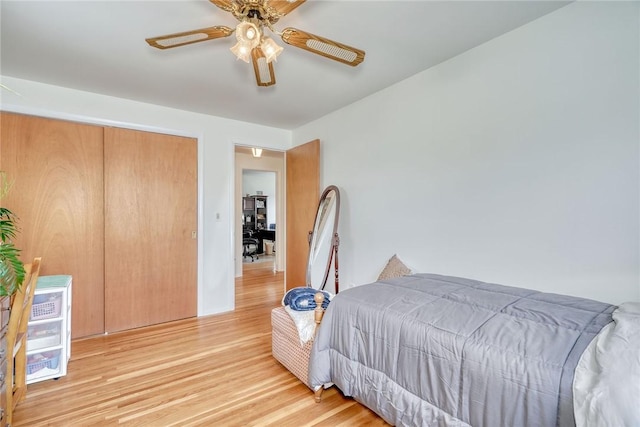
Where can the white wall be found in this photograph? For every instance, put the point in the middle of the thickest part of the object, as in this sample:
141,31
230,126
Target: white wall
516,162
216,139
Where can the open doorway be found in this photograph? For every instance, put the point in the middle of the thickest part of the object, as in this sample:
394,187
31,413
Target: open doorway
259,217
259,210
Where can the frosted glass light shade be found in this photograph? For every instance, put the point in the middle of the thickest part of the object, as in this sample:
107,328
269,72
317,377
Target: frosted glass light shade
270,49
241,51
248,34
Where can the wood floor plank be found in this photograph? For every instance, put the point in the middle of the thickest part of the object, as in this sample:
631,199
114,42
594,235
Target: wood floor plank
209,371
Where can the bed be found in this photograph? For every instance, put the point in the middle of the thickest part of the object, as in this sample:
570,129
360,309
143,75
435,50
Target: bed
435,350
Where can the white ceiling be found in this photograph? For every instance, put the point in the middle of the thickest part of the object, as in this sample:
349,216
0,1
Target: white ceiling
98,46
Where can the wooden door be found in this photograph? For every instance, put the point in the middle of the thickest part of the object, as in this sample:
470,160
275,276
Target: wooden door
150,226
57,194
303,193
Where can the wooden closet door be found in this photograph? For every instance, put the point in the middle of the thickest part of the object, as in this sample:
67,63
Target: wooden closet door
57,194
303,194
150,215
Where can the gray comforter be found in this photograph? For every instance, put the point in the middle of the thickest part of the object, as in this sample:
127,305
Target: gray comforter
430,350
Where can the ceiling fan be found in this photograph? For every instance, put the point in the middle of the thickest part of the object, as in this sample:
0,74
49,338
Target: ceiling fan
255,16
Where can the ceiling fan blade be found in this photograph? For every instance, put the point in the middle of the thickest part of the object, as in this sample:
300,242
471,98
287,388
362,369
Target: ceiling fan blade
321,46
188,37
283,7
264,71
226,5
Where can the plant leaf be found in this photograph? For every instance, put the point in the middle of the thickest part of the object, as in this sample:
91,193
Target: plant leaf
11,269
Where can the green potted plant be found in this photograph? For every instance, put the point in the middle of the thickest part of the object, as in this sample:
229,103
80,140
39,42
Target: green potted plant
11,268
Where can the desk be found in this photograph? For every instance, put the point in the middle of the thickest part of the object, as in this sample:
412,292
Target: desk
263,235
267,235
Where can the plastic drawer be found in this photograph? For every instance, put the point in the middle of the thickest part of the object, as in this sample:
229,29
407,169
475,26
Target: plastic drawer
46,306
46,363
44,335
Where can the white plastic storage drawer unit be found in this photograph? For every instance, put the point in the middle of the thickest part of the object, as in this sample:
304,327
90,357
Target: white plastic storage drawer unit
49,333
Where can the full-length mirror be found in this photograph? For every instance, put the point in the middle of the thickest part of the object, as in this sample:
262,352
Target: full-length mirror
323,245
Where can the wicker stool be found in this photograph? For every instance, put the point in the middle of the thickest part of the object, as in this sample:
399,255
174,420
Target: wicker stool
285,345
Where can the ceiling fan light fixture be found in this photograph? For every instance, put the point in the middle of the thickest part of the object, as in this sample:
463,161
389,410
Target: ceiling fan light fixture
270,49
241,51
252,45
248,34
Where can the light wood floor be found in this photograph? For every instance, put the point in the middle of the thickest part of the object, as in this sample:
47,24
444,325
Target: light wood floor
209,371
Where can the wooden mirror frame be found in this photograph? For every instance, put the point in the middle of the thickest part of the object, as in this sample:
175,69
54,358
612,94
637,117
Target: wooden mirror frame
324,240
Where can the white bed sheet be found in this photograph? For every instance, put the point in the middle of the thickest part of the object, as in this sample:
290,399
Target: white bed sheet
606,385
305,322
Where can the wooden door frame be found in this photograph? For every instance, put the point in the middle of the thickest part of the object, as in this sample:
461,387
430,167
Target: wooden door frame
282,220
237,213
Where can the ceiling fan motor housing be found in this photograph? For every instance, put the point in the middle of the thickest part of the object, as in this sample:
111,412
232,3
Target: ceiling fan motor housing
259,11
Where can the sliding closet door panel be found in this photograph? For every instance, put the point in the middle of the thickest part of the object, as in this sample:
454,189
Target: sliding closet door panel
150,225
57,193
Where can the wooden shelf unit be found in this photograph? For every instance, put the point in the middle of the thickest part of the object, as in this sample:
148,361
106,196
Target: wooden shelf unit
254,211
